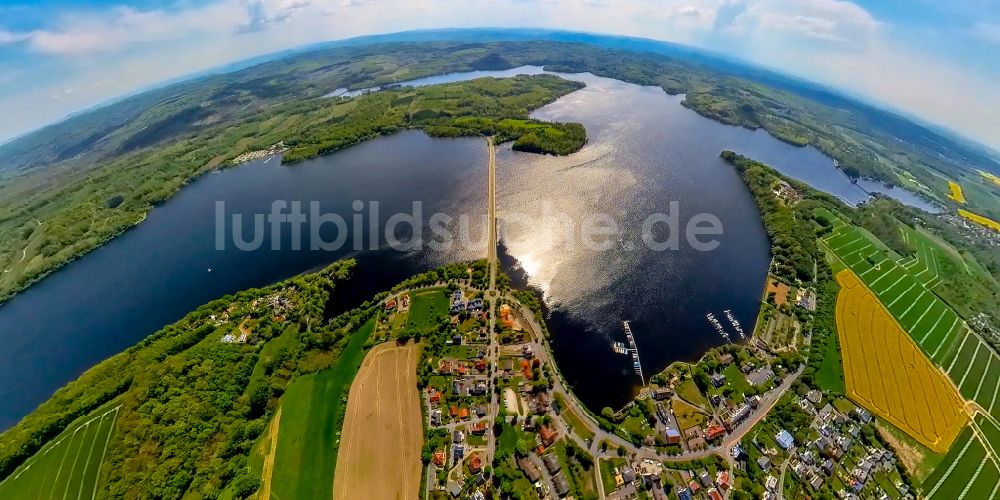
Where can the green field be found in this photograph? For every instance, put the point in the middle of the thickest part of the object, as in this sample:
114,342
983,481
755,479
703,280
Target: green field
426,308
70,465
966,472
830,374
926,264
312,415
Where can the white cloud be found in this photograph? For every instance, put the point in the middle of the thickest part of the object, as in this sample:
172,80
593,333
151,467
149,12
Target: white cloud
831,41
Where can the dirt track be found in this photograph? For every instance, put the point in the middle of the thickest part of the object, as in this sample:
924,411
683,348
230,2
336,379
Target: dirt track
380,446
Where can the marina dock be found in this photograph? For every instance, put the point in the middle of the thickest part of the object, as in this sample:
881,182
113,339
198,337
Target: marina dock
636,364
718,326
735,322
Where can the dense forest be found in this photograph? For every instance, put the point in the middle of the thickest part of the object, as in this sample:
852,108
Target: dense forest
482,107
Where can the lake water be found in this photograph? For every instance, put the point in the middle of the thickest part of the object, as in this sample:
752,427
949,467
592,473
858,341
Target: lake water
645,150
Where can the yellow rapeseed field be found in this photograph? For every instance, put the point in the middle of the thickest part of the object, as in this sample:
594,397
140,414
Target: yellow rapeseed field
956,192
991,177
887,373
979,219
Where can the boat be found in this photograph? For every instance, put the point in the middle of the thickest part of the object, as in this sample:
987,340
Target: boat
718,326
735,322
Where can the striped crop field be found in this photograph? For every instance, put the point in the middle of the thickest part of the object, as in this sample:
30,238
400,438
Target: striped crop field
969,471
886,372
971,363
926,264
934,325
68,467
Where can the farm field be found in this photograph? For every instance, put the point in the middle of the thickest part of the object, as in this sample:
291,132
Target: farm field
928,320
969,471
312,411
975,368
382,429
990,177
979,219
955,192
886,372
68,467
927,263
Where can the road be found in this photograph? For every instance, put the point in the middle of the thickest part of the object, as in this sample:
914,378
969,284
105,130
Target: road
493,351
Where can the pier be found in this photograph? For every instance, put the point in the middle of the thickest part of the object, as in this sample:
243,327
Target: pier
636,365
735,322
718,326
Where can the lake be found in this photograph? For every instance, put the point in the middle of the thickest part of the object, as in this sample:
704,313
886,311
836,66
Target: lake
645,151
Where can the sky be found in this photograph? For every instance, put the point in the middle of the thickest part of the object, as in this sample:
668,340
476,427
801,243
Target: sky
934,59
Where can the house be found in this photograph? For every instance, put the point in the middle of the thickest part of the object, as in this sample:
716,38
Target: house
662,393
475,463
770,483
684,494
706,480
714,494
671,436
530,469
725,359
480,411
816,481
436,417
718,380
458,452
478,495
714,431
455,489
694,487
814,396
463,413
562,486
551,463
457,436
828,467
723,480
439,458
733,418
784,439
435,396
508,365
445,368
479,428
863,415
478,389
453,411
548,435
764,463
628,474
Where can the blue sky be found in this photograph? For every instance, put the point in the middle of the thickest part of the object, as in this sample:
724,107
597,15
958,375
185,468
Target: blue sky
934,59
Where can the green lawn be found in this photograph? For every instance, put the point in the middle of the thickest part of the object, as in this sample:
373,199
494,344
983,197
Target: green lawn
577,424
312,415
69,466
689,392
830,374
426,309
736,381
